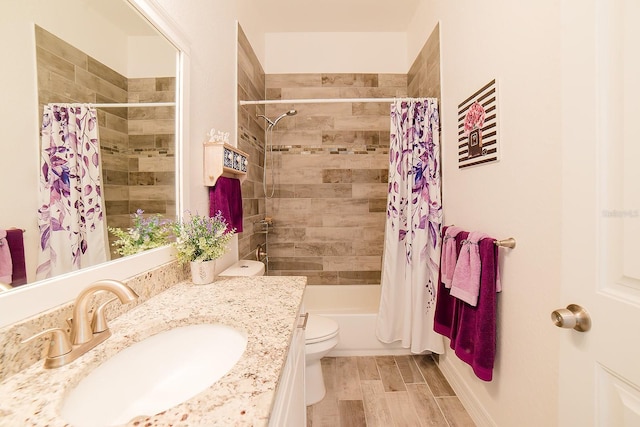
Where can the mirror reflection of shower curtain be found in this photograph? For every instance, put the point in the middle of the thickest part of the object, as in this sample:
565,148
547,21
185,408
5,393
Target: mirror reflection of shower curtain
71,215
411,258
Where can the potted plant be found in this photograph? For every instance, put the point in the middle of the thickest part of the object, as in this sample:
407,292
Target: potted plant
200,240
146,233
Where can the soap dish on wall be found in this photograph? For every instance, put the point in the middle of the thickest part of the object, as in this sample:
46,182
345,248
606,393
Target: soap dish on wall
223,159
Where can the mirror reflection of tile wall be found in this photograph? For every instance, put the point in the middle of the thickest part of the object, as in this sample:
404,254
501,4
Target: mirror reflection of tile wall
137,144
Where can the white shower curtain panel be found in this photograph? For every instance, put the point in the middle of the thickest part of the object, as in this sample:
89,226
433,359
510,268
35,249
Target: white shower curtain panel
71,211
412,243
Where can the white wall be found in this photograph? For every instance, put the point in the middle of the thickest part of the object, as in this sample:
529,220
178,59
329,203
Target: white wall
158,57
336,53
210,28
516,43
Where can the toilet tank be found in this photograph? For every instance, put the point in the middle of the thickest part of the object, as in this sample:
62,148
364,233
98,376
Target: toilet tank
244,268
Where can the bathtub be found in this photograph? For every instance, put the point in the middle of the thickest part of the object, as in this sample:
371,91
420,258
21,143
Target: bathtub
355,308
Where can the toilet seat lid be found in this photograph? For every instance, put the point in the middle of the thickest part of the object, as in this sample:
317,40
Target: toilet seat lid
320,328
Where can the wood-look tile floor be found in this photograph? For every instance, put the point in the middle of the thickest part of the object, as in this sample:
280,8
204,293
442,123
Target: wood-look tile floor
386,391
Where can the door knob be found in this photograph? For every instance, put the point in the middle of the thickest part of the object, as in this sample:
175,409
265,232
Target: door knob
572,317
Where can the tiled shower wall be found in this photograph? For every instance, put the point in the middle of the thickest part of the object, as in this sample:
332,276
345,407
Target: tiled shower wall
331,176
137,144
251,141
330,163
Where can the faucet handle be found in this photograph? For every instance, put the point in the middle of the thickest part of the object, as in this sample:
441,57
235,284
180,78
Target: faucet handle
59,344
99,320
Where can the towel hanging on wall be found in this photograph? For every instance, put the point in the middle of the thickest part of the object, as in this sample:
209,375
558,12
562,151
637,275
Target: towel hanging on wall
226,196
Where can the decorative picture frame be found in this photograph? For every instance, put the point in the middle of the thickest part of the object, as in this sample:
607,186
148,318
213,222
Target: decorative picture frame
478,127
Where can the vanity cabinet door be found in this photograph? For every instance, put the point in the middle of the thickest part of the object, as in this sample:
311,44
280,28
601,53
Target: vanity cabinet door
289,409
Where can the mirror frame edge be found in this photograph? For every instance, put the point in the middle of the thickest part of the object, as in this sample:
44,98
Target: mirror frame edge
26,302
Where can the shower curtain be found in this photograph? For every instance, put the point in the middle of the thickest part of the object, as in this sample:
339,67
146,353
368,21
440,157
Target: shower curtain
412,243
71,211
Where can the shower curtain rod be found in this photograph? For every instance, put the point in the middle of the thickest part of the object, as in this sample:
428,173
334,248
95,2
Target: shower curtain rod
319,100
127,104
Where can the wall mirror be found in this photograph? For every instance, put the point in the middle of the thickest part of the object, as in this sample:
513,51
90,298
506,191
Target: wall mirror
98,52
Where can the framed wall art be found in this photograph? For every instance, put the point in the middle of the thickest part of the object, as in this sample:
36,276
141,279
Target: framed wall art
478,127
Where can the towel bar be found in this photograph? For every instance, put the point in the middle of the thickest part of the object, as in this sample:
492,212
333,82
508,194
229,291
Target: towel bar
506,243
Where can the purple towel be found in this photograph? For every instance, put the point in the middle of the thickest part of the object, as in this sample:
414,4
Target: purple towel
16,246
472,330
226,197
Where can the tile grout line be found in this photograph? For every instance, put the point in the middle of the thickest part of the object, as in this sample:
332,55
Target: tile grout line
435,399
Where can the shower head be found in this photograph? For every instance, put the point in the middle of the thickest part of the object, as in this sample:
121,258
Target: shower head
272,123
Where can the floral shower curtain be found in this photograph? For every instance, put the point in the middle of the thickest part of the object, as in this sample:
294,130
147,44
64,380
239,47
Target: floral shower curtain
412,244
71,211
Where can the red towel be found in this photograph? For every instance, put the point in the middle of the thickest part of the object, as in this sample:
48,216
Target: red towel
226,197
16,247
472,330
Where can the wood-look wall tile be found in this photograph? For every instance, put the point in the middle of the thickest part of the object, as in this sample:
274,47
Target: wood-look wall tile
333,206
340,176
369,191
392,80
351,413
361,122
293,80
323,191
55,64
454,412
353,219
105,73
59,47
371,109
303,249
377,205
351,137
362,247
425,406
390,374
103,87
368,176
352,263
295,263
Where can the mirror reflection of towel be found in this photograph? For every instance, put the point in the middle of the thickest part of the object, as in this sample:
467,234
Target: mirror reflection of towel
16,246
226,197
6,267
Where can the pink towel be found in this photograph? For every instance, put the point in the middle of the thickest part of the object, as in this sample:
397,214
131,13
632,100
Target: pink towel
226,197
6,266
472,330
448,257
466,278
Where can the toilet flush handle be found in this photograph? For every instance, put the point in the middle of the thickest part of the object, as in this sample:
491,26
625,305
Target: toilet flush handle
304,322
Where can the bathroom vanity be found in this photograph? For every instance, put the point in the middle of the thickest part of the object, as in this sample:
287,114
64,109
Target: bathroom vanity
265,380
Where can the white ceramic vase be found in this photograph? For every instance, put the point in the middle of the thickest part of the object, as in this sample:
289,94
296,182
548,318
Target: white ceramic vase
203,272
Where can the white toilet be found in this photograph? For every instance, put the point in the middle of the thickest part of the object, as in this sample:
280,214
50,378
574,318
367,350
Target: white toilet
320,336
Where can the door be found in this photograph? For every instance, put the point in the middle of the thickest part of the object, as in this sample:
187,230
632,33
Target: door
600,60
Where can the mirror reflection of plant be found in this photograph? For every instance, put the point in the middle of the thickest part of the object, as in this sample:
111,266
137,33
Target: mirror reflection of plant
201,238
146,233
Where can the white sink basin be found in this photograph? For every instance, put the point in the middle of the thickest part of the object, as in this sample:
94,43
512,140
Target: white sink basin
154,375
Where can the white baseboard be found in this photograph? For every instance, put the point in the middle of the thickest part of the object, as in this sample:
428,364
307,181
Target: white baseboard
468,399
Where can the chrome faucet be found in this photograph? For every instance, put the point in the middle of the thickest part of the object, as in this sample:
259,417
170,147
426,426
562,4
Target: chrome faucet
85,333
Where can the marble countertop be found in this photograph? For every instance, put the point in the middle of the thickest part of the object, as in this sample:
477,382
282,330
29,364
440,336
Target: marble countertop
264,308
